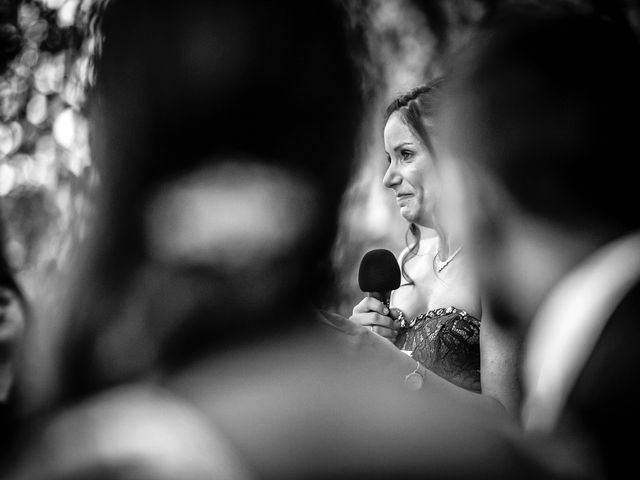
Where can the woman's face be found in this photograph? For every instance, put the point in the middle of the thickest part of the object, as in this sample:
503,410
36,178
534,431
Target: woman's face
411,172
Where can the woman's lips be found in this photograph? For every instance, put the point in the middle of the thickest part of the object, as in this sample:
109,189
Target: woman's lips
403,196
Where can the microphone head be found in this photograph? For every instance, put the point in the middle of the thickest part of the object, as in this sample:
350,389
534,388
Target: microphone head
379,271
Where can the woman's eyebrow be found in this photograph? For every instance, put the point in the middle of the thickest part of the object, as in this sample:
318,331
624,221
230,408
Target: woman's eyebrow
403,144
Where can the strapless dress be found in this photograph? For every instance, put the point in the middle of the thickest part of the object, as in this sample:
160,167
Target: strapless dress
446,341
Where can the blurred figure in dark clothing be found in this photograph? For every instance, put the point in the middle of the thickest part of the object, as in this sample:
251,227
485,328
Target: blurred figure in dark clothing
13,316
543,146
224,132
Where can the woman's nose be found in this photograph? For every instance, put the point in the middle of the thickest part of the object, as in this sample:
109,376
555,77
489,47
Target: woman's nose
391,177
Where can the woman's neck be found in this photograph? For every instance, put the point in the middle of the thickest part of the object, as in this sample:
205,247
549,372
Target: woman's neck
430,235
427,233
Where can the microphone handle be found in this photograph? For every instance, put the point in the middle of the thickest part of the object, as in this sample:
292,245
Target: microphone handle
384,297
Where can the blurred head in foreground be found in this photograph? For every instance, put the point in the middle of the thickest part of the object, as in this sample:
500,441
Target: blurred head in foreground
223,133
541,144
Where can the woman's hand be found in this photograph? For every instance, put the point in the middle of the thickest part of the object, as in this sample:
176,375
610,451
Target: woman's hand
373,314
368,345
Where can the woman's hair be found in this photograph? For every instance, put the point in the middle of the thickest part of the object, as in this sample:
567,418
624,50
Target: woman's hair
417,108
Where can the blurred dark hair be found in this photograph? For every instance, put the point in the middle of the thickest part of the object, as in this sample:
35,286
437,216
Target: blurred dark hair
547,102
418,108
184,85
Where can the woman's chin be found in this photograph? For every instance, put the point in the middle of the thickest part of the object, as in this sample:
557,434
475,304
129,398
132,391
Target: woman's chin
409,214
419,218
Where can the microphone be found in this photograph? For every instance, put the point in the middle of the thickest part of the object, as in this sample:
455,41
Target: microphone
379,274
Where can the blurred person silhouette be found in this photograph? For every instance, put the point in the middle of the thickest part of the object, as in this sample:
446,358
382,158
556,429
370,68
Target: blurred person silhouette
224,134
13,321
12,325
540,171
434,316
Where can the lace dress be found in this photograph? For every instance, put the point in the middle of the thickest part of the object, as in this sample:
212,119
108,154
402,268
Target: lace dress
446,341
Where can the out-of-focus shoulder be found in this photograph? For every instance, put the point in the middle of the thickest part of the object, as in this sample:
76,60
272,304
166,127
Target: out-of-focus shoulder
142,429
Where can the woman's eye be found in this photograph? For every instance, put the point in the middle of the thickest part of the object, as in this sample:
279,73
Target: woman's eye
406,154
388,159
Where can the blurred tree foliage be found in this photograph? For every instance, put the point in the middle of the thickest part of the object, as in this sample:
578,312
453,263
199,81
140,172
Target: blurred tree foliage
46,179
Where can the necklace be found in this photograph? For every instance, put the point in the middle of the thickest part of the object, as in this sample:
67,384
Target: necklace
447,261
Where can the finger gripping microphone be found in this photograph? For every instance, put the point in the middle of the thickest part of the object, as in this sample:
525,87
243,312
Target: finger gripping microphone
379,274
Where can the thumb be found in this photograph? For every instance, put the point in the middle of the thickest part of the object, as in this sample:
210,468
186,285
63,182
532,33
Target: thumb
397,315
